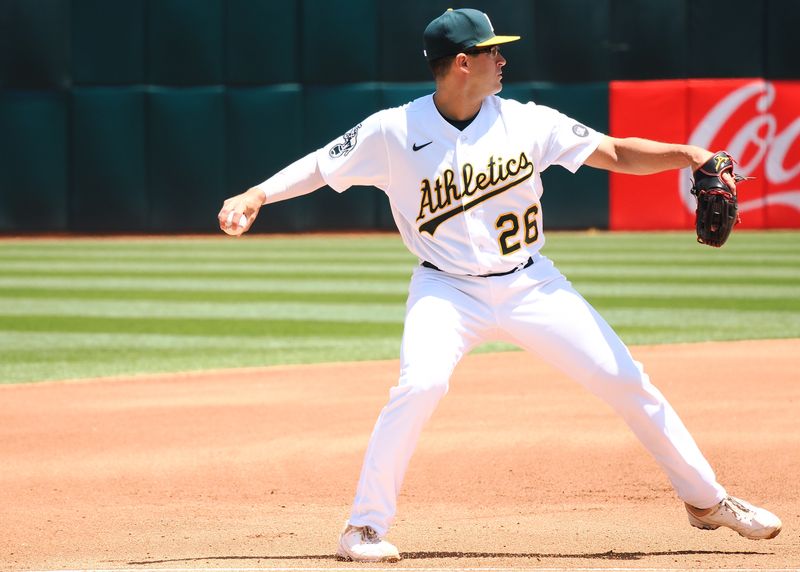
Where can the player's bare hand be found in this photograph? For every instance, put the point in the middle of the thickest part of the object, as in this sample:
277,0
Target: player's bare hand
729,180
238,212
700,156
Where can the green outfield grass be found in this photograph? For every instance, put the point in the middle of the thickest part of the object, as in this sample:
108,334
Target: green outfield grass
86,307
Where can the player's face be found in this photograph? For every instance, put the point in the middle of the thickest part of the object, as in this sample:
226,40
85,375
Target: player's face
488,65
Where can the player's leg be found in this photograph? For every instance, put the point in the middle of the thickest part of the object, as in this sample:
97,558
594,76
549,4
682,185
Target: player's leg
548,317
443,322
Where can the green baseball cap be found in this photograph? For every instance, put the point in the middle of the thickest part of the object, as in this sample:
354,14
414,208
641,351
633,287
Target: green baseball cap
459,30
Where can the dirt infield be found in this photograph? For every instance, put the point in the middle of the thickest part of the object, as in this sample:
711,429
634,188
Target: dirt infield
519,467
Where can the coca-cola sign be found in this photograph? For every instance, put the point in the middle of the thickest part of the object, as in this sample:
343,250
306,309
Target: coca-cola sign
757,121
748,123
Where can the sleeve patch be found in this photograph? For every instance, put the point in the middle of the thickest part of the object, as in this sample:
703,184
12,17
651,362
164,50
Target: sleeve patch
580,130
346,145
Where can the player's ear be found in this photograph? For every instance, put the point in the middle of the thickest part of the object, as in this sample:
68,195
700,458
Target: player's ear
461,62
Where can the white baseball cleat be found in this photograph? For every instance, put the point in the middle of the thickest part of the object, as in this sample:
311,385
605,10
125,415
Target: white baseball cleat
362,544
750,521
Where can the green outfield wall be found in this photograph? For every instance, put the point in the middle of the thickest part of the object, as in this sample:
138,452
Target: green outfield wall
143,115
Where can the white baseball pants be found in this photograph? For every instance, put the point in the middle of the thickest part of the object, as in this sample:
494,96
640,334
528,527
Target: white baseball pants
538,309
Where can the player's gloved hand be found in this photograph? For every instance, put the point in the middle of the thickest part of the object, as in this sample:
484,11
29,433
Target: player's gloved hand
238,212
717,205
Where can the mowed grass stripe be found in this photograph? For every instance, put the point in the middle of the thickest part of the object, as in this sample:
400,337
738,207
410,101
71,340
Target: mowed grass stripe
211,295
293,274
741,239
621,243
300,307
677,260
58,341
253,246
563,251
656,245
603,256
637,324
237,327
646,261
634,316
748,295
643,291
330,304
641,248
659,333
300,310
668,305
95,355
678,274
656,280
297,269
236,258
638,292
120,359
237,285
202,269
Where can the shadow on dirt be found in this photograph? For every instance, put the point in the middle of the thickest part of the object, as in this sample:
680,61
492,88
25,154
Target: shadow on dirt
610,555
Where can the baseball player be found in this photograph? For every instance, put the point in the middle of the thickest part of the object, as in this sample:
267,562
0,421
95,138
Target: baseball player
461,168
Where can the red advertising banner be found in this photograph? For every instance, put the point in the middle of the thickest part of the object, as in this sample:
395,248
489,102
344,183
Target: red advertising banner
757,121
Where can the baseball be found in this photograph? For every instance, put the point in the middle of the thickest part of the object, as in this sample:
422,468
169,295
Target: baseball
238,231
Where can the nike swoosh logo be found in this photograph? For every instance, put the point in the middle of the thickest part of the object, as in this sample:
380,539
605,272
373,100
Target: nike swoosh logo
416,147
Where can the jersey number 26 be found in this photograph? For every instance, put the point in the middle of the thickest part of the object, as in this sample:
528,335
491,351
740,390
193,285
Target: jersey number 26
509,223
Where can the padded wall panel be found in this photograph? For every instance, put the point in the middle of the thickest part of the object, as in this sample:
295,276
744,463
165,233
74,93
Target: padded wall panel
186,157
109,180
648,40
262,41
400,40
571,41
108,41
580,200
339,45
34,44
265,133
397,94
185,42
33,161
782,24
522,92
743,57
329,112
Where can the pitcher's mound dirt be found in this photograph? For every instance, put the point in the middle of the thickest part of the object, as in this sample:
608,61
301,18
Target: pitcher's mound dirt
519,467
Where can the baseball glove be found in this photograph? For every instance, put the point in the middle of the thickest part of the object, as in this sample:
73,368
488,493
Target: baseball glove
717,206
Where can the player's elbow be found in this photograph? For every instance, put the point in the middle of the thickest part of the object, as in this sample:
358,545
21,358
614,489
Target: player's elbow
608,155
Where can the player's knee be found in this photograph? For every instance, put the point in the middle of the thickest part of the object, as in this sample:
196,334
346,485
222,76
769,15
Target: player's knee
431,388
425,385
421,395
613,383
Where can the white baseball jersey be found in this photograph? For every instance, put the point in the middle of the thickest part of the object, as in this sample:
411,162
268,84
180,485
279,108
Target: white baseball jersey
466,201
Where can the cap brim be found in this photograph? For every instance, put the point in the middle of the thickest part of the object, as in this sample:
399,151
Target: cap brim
497,40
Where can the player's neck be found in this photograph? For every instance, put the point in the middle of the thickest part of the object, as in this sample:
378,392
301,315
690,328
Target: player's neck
455,104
